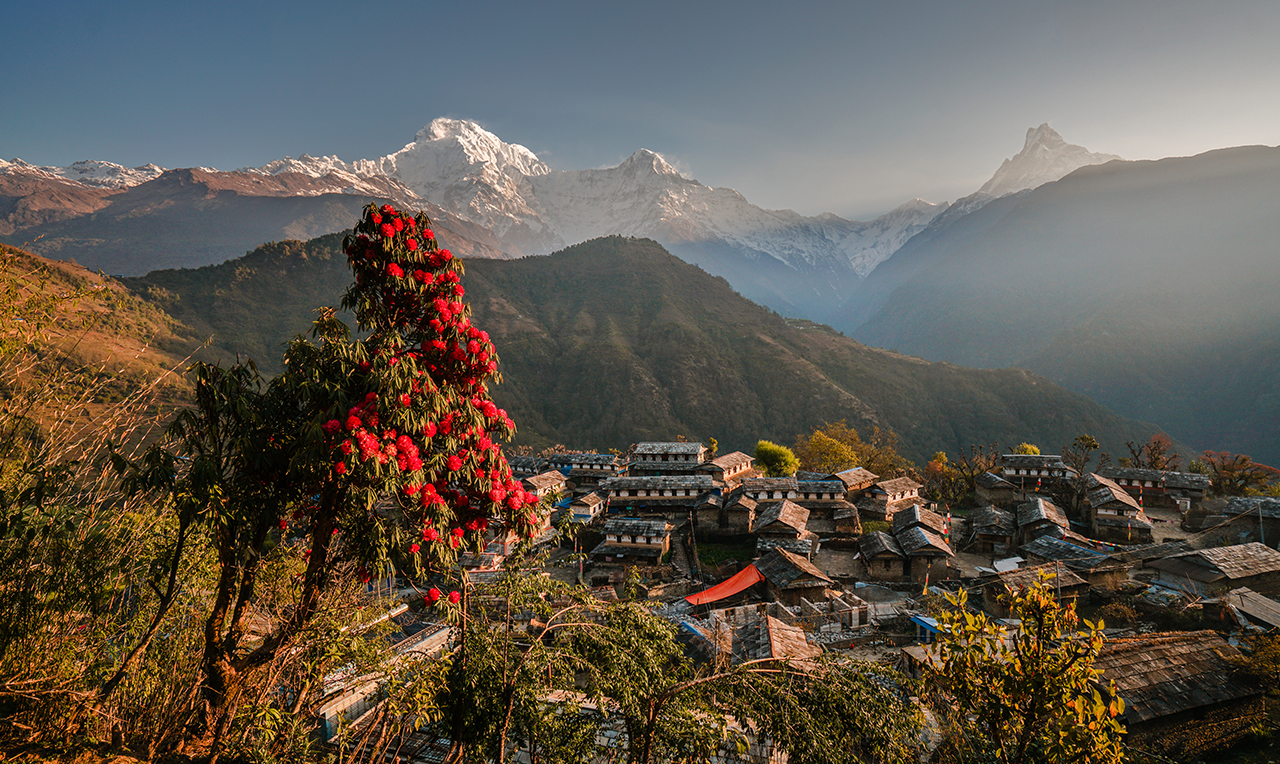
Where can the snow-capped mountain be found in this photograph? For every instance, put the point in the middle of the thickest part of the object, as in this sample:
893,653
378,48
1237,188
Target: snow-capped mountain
1045,157
90,172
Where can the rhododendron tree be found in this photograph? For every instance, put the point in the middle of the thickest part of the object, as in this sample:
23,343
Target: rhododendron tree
380,449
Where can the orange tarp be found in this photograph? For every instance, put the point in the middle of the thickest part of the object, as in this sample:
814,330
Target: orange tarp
743,580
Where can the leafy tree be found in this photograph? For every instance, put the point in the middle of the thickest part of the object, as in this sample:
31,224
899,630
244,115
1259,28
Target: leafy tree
835,446
776,460
955,482
1236,474
1026,449
1024,696
377,451
1156,454
1070,494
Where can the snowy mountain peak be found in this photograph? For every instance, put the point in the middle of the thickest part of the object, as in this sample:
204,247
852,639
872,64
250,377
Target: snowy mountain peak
476,146
649,160
90,172
1045,157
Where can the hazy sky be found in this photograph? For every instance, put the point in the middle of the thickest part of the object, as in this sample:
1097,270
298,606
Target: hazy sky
847,107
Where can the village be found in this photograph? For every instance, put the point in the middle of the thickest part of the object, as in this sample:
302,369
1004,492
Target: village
749,567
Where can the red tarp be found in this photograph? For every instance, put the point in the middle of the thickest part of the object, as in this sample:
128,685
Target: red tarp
743,580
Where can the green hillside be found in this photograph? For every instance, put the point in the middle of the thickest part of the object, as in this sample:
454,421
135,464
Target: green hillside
616,340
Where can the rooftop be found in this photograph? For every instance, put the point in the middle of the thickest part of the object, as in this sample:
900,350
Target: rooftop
1040,509
1158,675
688,449
877,543
782,569
991,520
1238,561
1164,479
786,512
1059,575
656,482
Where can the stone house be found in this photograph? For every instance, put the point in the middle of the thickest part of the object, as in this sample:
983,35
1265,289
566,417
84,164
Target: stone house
1180,491
586,470
856,481
1114,515
666,459
666,493
1034,472
766,489
1096,568
882,556
991,530
633,541
1039,517
789,577
730,469
928,553
587,507
551,483
1215,571
887,497
993,489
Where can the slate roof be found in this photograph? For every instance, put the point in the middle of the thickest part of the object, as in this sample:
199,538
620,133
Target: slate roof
741,503
783,569
657,482
1073,556
992,521
821,486
991,481
1264,506
843,510
877,543
602,460
1167,479
755,485
1158,675
919,541
546,480
732,460
1026,576
918,515
1103,491
1145,552
898,485
1032,461
688,449
1229,562
592,499
769,637
634,526
1254,606
1040,509
786,512
802,547
526,465
613,549
856,476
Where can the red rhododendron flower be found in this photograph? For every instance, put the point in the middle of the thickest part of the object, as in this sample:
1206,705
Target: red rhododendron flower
398,223
413,549
433,595
375,218
404,400
353,422
454,597
445,255
394,271
340,468
387,230
430,534
412,245
455,464
427,233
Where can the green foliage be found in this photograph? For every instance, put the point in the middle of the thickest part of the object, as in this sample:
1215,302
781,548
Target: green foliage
1238,475
835,447
1028,449
776,460
1027,695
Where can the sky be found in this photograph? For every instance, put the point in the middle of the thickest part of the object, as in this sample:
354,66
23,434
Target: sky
846,107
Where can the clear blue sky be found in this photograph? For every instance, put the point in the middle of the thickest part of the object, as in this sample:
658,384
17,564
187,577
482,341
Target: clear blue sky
847,107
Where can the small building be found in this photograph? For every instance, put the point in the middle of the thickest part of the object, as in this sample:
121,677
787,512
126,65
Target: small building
1181,491
730,469
928,554
633,541
882,556
917,516
784,519
1255,609
991,530
1213,572
1039,517
1115,516
1096,568
768,637
1062,581
1257,516
587,507
666,459
887,497
993,489
789,577
551,483
846,520
1034,472
856,481
1183,697
526,466
739,513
